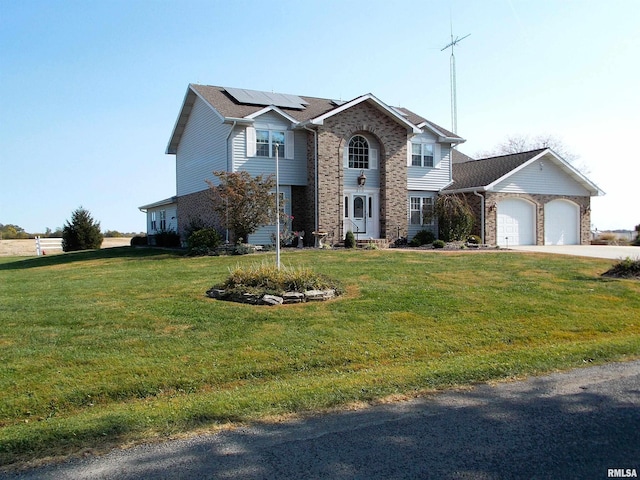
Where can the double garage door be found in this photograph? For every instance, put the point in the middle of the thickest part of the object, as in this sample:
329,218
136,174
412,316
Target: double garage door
517,223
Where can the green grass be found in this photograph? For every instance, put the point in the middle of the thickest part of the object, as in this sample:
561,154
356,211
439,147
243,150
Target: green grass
104,348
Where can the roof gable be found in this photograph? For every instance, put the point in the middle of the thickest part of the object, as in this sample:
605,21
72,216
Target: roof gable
275,109
489,173
391,112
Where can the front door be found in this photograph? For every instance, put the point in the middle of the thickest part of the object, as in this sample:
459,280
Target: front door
359,214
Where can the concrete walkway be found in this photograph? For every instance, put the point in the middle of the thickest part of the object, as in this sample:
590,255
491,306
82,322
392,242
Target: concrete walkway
596,251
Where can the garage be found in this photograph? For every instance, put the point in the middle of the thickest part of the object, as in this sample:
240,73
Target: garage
561,223
516,222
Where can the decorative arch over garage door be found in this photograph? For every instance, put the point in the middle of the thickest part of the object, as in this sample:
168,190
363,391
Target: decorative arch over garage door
561,223
516,222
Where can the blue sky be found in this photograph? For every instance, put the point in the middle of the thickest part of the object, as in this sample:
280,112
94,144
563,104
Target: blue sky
90,90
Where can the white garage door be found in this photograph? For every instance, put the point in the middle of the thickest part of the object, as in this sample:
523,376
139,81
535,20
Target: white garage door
561,223
516,222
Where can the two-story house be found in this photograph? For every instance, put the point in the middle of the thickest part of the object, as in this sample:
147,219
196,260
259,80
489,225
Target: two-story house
358,165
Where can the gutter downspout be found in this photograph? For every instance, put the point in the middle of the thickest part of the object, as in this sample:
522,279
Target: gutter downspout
475,192
229,166
315,162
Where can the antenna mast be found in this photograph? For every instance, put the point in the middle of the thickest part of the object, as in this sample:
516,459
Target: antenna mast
454,103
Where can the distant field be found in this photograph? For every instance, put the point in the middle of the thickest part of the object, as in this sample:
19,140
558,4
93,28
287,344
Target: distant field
24,248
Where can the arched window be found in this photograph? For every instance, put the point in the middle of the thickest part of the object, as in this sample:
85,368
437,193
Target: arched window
358,152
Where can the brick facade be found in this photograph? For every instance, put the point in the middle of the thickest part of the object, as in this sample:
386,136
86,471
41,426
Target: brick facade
333,138
197,206
491,213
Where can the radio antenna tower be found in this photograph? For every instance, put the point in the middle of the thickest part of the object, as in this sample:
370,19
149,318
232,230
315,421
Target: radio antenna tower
454,103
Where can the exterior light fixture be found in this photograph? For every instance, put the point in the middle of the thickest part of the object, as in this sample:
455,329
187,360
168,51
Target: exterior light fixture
362,179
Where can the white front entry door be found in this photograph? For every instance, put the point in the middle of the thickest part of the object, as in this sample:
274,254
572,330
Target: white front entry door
361,214
359,219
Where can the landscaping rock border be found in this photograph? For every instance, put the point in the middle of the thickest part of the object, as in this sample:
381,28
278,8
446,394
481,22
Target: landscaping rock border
267,299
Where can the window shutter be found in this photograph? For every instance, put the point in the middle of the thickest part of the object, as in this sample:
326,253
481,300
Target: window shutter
373,158
436,155
409,153
345,156
288,144
251,142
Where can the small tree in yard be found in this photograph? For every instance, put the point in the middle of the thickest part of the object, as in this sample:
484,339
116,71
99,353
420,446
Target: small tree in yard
242,202
81,233
455,218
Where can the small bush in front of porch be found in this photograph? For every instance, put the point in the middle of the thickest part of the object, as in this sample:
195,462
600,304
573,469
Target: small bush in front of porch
423,237
349,240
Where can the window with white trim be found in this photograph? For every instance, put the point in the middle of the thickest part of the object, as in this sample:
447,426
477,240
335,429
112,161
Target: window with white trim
422,154
266,142
154,222
163,220
421,210
359,152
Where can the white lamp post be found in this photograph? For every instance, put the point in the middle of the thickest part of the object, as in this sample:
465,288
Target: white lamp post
277,209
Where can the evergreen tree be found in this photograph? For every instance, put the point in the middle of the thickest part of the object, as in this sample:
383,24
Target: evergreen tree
81,233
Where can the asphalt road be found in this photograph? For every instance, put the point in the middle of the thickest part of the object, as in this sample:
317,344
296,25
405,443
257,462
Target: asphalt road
574,425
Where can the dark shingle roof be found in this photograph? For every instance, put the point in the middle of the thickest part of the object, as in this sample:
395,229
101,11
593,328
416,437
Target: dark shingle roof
483,172
418,120
458,157
228,106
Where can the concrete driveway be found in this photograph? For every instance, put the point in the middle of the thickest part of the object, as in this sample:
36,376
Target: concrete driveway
597,251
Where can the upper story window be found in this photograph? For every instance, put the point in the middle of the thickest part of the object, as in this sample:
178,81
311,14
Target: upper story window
267,141
358,152
422,154
262,143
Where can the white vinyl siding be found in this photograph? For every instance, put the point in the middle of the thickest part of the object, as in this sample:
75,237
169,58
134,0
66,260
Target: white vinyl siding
263,235
156,215
293,171
426,178
542,177
202,149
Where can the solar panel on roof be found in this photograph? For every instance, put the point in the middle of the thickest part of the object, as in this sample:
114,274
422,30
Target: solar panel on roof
256,97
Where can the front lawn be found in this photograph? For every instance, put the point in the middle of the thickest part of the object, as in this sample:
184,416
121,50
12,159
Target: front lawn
106,348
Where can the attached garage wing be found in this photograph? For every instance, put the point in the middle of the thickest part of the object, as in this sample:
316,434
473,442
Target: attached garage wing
516,222
561,223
